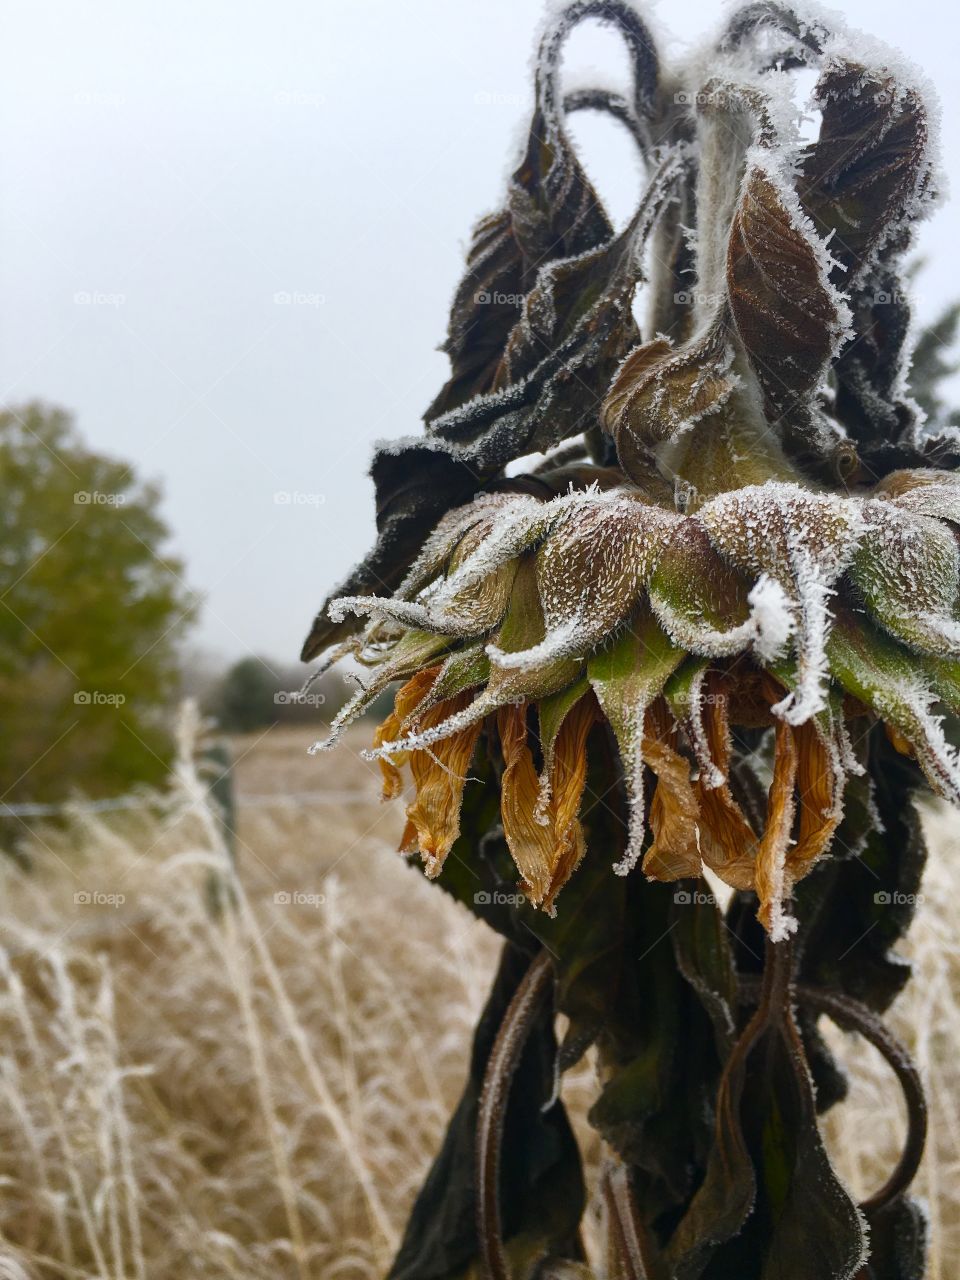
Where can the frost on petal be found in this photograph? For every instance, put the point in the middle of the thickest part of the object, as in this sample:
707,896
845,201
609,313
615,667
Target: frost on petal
820,784
407,699
627,676
804,541
412,652
590,572
773,883
551,713
685,694
824,757
728,843
887,679
439,776
522,628
546,853
908,569
674,812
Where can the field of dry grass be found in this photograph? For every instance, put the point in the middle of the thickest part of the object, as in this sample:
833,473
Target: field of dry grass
254,1092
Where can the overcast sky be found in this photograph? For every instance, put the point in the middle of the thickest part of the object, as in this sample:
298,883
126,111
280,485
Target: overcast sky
169,168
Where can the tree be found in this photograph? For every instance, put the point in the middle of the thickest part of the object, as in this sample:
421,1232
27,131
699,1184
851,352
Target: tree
91,611
714,631
256,694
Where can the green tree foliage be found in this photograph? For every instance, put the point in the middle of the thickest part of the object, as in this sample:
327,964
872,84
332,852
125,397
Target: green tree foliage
91,611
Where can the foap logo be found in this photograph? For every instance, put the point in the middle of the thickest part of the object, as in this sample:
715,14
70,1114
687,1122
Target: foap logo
491,98
298,498
98,298
97,898
897,899
696,298
496,299
895,298
298,298
97,698
714,98
298,898
296,698
694,898
498,899
94,498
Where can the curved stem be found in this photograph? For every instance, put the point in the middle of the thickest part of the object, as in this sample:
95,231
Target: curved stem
501,1065
851,1015
631,1237
614,104
615,13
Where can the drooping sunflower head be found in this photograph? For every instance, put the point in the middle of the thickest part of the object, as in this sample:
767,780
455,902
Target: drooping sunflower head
748,560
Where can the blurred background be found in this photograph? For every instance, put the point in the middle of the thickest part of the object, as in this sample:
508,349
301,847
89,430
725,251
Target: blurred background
230,234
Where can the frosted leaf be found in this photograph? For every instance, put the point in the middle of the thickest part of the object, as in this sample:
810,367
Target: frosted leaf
412,654
773,882
440,544
773,617
883,676
522,625
591,568
627,677
660,391
686,696
804,541
701,600
518,525
924,493
908,569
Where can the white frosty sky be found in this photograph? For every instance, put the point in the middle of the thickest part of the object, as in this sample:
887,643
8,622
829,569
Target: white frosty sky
197,158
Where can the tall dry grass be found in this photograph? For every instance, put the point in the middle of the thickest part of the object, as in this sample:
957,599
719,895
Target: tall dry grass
254,1092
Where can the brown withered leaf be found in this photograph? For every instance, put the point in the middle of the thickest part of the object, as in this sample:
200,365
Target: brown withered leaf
869,164
787,317
660,390
552,212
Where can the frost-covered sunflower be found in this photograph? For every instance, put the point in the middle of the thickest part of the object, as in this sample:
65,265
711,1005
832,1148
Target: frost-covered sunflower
678,595
752,534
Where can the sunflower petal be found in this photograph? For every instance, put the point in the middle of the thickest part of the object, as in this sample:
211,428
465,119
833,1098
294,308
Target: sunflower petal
772,881
546,853
674,812
440,776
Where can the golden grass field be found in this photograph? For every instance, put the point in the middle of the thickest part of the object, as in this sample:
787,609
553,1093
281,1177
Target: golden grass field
254,1093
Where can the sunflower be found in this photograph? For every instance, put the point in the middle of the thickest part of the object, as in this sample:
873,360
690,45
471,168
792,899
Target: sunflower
749,558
